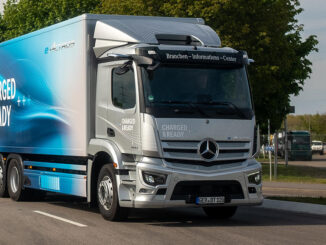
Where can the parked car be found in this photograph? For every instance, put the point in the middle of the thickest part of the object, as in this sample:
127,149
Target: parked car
317,147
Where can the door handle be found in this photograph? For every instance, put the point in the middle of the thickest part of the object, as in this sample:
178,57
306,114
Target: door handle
110,132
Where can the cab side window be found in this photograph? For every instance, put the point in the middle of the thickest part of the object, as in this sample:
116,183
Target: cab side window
123,89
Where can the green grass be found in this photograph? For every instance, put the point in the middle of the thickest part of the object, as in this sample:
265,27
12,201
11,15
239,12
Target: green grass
296,174
314,200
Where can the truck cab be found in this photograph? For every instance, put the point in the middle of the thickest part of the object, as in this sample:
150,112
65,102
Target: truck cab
177,109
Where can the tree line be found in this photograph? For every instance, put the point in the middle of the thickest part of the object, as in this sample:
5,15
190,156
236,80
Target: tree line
267,29
316,124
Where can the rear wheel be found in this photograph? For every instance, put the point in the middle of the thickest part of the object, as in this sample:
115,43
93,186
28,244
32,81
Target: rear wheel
14,180
107,195
220,212
3,184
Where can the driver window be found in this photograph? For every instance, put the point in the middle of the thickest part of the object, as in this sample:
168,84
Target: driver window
123,89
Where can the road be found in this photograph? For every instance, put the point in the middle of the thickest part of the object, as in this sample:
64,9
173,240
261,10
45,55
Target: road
318,161
20,224
276,188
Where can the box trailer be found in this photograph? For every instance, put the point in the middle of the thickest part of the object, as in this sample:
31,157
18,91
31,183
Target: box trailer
128,112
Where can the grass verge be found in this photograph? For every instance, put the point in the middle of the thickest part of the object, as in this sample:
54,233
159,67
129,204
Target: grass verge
301,174
313,200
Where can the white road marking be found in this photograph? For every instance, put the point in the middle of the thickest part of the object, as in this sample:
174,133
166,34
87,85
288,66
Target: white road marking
61,219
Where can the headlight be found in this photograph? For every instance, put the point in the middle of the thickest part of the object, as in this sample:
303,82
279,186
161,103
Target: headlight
154,179
255,178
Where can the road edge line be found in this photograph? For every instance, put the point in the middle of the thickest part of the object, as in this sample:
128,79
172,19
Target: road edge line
60,218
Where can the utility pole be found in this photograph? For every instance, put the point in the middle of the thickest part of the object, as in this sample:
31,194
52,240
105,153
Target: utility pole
286,141
275,153
291,109
269,151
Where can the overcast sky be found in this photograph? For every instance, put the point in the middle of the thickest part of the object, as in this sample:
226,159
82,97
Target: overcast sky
313,98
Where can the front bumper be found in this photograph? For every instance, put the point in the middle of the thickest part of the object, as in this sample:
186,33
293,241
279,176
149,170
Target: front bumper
146,196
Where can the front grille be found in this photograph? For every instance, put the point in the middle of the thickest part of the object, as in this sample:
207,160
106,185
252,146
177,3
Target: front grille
204,163
189,190
186,151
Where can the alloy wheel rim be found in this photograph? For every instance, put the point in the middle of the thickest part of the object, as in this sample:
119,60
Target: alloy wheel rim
14,179
105,192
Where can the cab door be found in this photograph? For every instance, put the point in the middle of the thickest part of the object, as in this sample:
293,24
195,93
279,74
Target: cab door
123,119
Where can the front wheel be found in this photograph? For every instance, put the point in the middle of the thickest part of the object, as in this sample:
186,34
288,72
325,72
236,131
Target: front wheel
107,195
220,212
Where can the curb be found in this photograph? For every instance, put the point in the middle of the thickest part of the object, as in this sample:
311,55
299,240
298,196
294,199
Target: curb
294,207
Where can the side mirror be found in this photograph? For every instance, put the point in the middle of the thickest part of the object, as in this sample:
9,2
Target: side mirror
124,68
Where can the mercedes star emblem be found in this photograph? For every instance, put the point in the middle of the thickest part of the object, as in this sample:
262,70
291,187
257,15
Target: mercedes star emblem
208,149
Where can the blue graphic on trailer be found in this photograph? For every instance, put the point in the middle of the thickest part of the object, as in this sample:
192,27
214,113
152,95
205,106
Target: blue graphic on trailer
32,118
29,116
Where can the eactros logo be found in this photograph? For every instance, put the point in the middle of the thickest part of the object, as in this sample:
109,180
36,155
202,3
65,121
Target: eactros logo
208,149
60,46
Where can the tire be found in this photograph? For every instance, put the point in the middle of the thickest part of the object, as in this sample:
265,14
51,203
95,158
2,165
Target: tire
3,181
15,180
220,212
107,195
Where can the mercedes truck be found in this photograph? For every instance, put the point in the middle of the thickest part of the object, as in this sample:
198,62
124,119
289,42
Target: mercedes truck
128,112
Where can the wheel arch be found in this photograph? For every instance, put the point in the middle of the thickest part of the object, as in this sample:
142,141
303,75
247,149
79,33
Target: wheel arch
103,152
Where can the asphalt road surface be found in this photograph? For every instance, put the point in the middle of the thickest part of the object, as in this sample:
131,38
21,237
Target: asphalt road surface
318,161
51,222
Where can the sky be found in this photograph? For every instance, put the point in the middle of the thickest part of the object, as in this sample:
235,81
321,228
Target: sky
313,97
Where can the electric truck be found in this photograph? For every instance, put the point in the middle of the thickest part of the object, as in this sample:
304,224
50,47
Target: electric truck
128,112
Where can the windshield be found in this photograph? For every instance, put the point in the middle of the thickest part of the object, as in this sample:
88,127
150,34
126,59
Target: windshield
300,140
197,92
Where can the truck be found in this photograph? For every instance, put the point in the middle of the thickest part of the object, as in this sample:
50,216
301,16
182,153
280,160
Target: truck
128,112
299,145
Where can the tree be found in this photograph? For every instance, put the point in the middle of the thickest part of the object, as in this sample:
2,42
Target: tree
316,124
267,29
24,16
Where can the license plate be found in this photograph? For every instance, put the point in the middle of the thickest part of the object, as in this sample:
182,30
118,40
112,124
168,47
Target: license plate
210,200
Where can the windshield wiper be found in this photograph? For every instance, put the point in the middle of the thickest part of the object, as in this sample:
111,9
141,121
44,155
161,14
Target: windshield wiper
226,103
176,110
192,105
170,102
198,109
